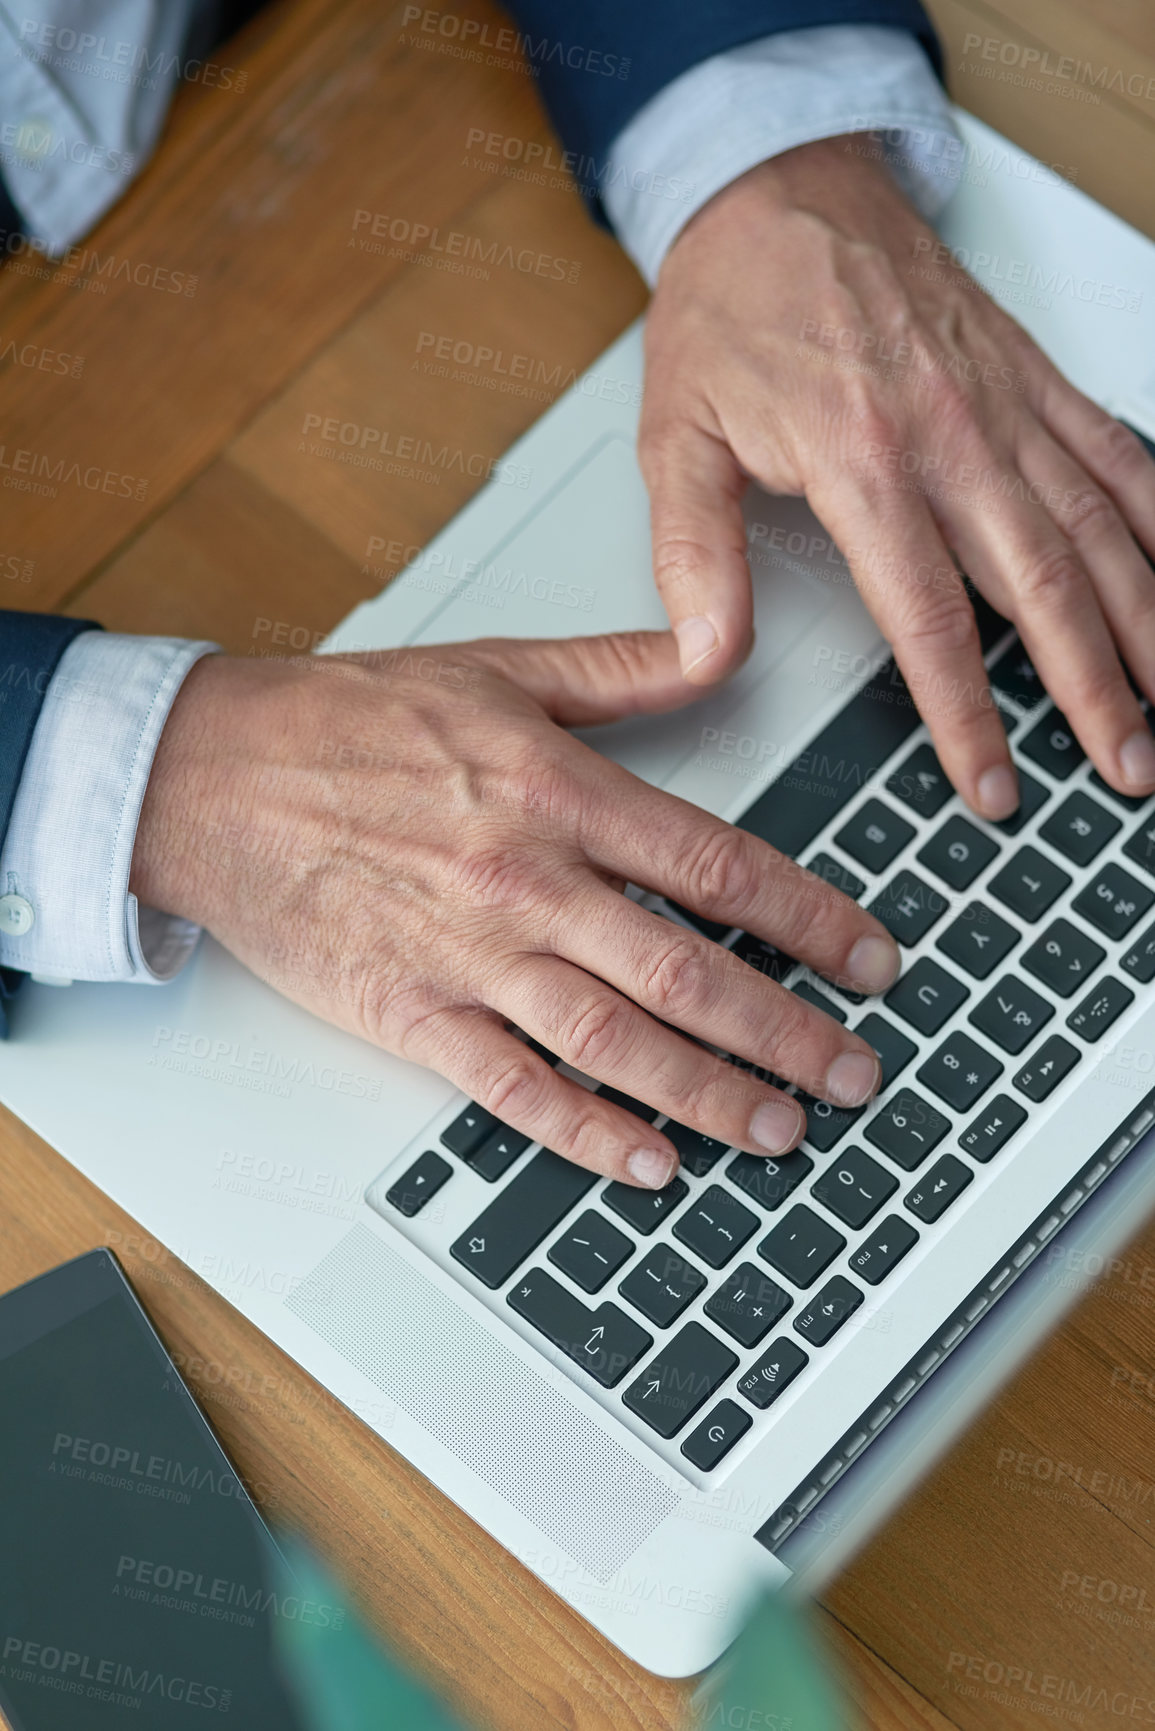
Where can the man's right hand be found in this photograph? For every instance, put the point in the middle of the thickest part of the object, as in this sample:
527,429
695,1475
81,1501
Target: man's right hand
410,845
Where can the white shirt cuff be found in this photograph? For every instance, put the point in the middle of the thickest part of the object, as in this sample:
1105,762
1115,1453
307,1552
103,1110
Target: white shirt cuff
737,109
68,851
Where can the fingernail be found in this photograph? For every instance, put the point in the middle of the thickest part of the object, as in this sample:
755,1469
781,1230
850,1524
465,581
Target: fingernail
696,639
998,793
650,1167
874,964
1137,759
852,1079
775,1126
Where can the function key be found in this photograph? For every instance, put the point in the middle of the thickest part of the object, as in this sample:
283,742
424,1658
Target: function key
591,1251
809,995
824,866
605,1342
415,1187
932,1197
1011,1014
907,1128
1029,884
748,1304
468,1131
1114,901
662,1285
994,1126
1053,746
874,835
1080,828
957,853
926,996
680,1380
908,908
716,1226
894,1049
699,1153
1032,795
1129,801
1102,1006
716,1435
828,1310
626,1102
1139,961
769,1182
774,1371
1042,1074
644,1210
978,940
884,1249
854,1187
921,782
1141,847
1013,675
960,1071
1063,957
801,1246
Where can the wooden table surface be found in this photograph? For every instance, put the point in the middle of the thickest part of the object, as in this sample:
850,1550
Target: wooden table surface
225,301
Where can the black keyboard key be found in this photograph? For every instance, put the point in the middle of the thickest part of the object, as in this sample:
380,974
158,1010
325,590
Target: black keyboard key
769,1182
826,1124
960,1071
826,867
957,853
590,1251
1141,847
1114,901
874,835
415,1187
994,1126
716,1435
894,1049
1139,961
644,1210
908,908
926,996
520,1216
698,1153
716,1226
627,1103
1080,828
921,782
1063,957
1042,1074
810,995
1014,676
748,1304
884,1249
680,1380
708,928
1011,1014
1129,801
775,1371
1102,1006
1052,745
946,1180
767,958
605,1342
828,1310
907,1128
468,1131
1029,884
854,1187
801,1246
1032,795
978,940
498,1153
662,1285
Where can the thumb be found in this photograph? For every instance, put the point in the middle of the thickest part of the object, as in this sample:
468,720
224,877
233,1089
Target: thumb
696,484
582,680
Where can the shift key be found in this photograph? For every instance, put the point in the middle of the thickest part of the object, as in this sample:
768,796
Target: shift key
605,1341
517,1219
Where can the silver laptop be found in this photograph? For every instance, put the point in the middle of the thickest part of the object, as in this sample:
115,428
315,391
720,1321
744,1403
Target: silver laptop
658,1401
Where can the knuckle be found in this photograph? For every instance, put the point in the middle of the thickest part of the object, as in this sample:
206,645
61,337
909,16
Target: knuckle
679,979
1051,580
942,628
679,561
516,1092
721,872
1121,455
496,878
1090,515
601,1029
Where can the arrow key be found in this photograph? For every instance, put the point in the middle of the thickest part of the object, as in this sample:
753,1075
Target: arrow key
716,1435
424,1179
946,1179
826,1312
605,1342
774,1371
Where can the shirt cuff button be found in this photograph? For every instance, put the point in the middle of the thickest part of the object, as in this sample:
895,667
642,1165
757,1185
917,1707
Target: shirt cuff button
16,916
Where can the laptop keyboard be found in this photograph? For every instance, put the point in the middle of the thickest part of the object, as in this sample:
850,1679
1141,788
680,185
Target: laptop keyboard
696,1307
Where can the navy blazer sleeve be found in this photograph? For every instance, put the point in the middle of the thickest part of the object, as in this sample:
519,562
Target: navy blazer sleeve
600,63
